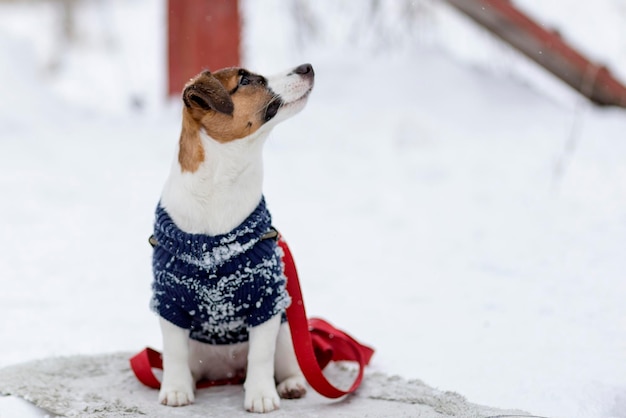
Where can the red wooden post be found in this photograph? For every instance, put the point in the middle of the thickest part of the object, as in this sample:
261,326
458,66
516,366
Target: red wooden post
202,34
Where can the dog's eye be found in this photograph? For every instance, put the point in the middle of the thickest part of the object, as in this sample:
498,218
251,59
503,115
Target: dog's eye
246,78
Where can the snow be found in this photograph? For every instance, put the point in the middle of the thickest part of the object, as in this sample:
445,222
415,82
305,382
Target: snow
101,385
446,201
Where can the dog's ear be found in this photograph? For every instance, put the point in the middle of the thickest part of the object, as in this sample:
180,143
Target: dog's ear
206,93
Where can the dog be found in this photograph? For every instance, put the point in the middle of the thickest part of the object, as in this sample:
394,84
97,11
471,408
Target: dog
218,287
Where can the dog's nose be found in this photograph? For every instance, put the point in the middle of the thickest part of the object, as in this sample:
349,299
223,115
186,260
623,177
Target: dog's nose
304,70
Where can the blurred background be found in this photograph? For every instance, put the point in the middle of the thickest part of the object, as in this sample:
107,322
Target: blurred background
448,200
131,40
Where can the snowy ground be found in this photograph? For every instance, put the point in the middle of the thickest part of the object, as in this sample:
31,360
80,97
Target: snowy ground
467,222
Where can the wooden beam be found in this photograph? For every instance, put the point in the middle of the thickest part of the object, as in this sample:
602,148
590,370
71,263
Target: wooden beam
546,48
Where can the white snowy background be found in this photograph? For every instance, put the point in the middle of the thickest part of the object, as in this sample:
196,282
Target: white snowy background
446,201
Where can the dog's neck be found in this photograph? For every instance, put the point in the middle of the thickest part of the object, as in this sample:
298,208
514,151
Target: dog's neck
222,192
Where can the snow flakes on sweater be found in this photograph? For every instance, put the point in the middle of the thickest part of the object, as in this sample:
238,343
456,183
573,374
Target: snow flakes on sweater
218,286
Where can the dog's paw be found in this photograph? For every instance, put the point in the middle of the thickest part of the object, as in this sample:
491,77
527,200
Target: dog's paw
176,396
293,387
261,398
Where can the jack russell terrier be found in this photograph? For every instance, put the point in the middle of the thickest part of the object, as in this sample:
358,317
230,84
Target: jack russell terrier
219,286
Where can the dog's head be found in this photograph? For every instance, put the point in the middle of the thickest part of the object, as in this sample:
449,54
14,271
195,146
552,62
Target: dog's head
234,103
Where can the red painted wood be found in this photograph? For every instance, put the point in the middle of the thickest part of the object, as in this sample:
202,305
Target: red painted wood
546,48
202,34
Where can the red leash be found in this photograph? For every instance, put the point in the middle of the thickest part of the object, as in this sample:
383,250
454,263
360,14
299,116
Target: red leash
315,341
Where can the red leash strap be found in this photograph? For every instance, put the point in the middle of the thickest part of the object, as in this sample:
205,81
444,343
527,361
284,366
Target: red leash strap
142,364
315,341
332,344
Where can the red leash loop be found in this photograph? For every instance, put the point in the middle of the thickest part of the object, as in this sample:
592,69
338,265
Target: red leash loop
315,341
142,364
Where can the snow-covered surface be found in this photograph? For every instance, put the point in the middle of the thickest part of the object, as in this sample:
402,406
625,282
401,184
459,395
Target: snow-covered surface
104,386
446,202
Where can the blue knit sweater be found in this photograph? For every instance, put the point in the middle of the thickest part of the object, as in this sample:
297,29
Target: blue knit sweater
218,286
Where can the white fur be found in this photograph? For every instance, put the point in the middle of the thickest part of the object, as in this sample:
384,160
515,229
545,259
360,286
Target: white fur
294,91
224,190
177,385
261,395
214,200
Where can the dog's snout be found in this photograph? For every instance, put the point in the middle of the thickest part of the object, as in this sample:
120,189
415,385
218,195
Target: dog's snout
304,70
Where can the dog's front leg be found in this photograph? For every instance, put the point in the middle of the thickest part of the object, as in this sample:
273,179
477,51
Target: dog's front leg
177,385
291,381
261,395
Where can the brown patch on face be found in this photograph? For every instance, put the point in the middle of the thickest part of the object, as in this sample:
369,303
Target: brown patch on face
226,108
